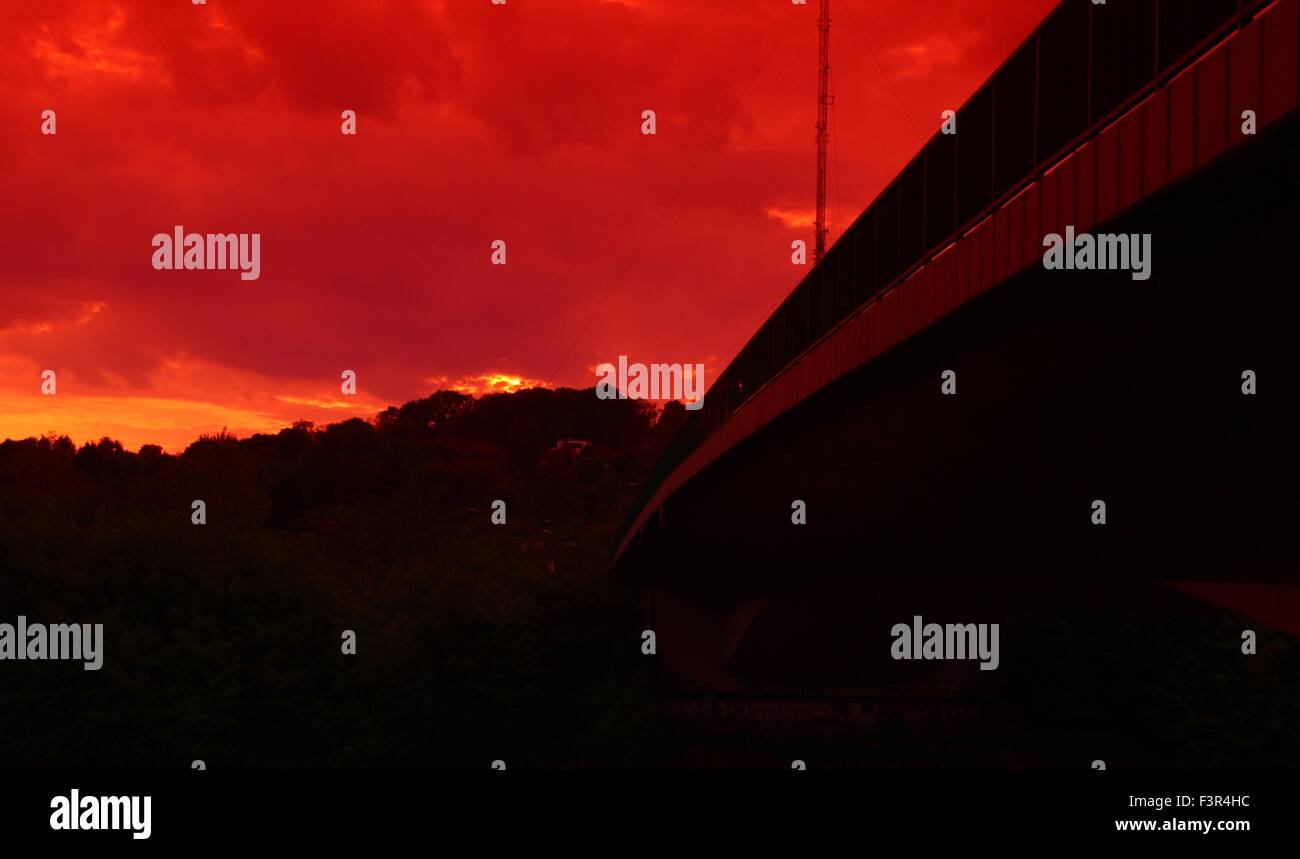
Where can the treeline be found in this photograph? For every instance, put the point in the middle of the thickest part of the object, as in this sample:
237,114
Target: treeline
449,450
222,640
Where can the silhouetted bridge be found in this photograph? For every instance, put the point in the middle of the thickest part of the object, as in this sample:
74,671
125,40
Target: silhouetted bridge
1071,386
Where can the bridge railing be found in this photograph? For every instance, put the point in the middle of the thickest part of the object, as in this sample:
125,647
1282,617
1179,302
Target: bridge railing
1081,68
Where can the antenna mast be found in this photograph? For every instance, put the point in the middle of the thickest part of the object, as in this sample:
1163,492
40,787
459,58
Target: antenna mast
823,102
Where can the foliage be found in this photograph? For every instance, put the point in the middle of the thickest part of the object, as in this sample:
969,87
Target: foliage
222,641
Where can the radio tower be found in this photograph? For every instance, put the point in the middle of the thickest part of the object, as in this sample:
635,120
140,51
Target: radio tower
823,102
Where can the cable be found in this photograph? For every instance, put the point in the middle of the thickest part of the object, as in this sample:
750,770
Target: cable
673,198
884,74
835,137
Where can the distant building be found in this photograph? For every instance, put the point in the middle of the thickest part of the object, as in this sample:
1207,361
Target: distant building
568,448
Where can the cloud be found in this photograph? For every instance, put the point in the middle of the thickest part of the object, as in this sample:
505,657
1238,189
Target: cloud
793,218
920,59
476,123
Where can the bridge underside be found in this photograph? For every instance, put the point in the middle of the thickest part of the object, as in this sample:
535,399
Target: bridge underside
1071,387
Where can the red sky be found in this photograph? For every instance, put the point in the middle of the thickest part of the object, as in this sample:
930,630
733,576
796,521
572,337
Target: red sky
476,122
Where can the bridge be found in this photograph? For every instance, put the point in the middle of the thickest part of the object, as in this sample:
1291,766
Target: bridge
948,412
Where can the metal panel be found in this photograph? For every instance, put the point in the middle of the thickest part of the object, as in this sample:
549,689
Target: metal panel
840,353
887,236
1001,239
1033,224
930,306
804,305
791,325
795,328
1184,24
875,338
890,310
1086,159
906,292
848,288
902,308
975,238
823,293
940,188
975,155
1155,142
952,288
766,352
920,299
986,254
866,238
825,299
900,314
1016,234
1107,173
924,298
882,327
943,296
895,316
911,304
933,300
858,346
1063,77
1123,52
1243,78
911,206
850,338
1049,185
908,296
1211,106
971,274
781,327
1066,193
882,323
1014,119
965,265
1027,246
1130,159
803,319
829,303
1279,60
1182,124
